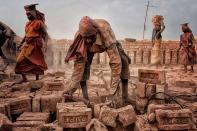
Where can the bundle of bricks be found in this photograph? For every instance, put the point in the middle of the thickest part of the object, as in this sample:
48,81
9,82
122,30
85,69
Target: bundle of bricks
157,20
170,117
150,88
116,118
34,96
46,101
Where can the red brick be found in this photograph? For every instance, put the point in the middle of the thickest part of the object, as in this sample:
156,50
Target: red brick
36,103
20,104
26,129
174,119
152,76
126,115
142,124
28,123
97,108
153,107
150,90
34,116
108,116
49,102
161,88
51,126
73,115
141,104
140,90
55,86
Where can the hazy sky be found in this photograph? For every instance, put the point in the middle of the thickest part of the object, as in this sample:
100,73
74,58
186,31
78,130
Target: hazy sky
125,16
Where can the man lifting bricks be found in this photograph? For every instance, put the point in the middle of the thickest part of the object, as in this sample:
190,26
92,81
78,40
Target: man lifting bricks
96,36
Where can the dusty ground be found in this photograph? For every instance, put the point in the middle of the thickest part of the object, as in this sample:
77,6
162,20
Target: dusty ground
99,82
98,85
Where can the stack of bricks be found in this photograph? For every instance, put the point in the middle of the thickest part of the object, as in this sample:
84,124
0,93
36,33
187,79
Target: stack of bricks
46,101
30,121
119,118
15,103
151,85
182,87
169,117
157,20
73,115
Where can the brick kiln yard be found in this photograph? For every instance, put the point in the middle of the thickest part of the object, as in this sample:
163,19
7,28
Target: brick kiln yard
163,99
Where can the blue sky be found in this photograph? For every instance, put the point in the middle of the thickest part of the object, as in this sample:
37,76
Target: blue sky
125,16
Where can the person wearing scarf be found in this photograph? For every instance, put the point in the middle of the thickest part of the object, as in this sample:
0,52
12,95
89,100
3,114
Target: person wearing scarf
31,58
96,36
187,53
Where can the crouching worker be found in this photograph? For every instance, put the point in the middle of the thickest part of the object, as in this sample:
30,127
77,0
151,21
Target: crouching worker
96,36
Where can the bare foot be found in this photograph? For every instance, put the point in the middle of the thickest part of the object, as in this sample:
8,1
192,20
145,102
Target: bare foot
20,82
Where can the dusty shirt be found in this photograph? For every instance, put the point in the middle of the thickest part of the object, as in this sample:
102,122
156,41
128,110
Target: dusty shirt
106,41
105,37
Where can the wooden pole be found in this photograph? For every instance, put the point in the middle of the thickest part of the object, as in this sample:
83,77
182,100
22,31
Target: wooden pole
147,7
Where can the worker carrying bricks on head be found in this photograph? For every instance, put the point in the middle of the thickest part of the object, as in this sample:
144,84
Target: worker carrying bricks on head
159,27
96,36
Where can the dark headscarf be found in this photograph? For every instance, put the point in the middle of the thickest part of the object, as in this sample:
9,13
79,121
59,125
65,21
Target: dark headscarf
33,11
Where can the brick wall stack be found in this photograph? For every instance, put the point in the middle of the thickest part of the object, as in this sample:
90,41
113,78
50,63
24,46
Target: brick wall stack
150,88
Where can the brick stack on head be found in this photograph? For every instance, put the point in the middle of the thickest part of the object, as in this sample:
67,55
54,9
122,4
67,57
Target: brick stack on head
157,20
